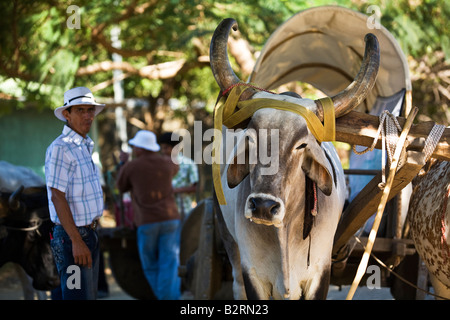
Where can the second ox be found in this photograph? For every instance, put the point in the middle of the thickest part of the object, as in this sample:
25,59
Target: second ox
429,218
25,228
278,229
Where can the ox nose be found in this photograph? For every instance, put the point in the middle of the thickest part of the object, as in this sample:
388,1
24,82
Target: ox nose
263,208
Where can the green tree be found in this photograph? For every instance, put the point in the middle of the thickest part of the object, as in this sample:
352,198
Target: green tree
422,29
165,44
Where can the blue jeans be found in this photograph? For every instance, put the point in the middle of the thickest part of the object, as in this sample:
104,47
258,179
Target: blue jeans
158,246
77,283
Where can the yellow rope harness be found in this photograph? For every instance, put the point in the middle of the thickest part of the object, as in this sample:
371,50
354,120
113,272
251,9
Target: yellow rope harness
231,112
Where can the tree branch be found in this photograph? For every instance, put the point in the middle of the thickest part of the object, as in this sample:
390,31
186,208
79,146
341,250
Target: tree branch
164,70
240,49
100,38
132,10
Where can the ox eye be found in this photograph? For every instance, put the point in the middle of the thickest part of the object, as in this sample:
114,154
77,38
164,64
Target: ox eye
302,146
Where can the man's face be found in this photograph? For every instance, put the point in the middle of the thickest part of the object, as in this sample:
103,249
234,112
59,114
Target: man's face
80,118
166,149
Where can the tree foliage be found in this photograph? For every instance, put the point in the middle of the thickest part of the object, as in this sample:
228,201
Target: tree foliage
422,29
164,46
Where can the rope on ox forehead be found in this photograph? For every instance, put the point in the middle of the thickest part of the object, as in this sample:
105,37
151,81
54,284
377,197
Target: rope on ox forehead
231,112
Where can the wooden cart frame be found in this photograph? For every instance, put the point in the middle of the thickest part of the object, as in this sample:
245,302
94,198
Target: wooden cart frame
337,30
207,273
205,269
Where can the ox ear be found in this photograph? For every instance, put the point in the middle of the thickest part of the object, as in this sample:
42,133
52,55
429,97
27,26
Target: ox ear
240,167
237,172
14,199
317,168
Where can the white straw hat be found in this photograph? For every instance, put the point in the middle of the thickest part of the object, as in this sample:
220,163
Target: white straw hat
78,96
146,140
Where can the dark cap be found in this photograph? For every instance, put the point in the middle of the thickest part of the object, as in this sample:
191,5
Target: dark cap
169,138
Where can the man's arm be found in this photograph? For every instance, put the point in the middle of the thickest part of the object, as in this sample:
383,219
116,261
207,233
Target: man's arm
122,182
81,253
188,189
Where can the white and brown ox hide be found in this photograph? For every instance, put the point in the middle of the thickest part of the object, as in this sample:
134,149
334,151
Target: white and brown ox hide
429,217
279,247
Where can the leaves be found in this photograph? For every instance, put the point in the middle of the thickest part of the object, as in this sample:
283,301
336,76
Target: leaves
45,57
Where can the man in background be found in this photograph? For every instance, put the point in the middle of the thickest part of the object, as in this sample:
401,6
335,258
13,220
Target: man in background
148,177
185,182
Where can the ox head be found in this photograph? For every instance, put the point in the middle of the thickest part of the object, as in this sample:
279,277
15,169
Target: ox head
301,159
26,221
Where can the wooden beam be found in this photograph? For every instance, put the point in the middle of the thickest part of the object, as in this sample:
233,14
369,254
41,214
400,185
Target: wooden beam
366,202
359,128
386,245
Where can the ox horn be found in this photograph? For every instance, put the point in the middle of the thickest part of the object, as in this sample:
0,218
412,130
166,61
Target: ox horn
13,201
344,102
218,55
348,99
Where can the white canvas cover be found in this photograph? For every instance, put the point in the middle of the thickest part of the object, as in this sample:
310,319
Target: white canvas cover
324,47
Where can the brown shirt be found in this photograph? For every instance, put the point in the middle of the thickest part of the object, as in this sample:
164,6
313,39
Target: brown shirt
149,178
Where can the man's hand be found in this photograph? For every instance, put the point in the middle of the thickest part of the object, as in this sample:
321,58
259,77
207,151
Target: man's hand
81,253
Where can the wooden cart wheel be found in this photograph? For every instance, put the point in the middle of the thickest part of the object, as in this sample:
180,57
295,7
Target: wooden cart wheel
190,232
204,266
208,268
126,266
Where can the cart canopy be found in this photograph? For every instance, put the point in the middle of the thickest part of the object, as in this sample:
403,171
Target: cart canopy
324,47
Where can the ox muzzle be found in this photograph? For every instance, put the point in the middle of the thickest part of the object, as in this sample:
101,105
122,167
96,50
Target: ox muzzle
263,208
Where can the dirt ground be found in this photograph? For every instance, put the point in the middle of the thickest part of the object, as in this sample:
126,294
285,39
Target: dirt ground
11,289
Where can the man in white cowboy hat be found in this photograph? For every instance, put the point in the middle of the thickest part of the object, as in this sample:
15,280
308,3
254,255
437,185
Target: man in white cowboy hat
149,178
75,196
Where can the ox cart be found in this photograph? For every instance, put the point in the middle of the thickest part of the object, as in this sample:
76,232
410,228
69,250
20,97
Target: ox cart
322,46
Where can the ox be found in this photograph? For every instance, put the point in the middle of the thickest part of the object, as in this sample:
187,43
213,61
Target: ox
429,218
278,246
25,228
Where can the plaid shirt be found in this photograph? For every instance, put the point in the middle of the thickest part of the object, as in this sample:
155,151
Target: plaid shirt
186,176
70,169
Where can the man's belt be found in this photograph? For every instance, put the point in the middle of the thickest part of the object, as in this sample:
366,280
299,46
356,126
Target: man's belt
93,225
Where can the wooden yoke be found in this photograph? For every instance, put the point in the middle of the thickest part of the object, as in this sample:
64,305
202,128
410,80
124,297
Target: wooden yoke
360,129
